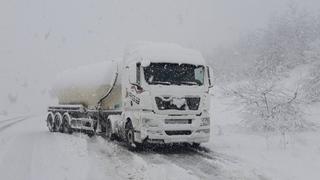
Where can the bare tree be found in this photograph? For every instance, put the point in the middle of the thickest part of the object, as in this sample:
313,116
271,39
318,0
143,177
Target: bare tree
311,86
267,108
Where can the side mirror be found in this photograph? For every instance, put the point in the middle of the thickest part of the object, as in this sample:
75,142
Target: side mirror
210,76
135,74
132,77
139,88
132,74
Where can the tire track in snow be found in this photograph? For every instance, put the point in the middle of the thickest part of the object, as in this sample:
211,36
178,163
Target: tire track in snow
114,157
2,128
209,164
212,155
136,165
192,161
200,162
231,166
113,160
203,166
11,119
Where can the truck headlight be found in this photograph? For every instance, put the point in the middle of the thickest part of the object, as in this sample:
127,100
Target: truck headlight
205,121
145,120
149,122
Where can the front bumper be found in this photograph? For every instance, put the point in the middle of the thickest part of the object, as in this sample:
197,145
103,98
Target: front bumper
173,129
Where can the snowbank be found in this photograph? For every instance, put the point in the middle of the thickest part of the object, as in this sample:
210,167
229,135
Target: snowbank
268,155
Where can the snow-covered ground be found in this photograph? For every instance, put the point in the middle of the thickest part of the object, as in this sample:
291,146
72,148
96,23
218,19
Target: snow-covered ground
29,151
269,156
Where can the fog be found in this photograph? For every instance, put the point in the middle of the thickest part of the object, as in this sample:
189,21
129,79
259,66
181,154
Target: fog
41,37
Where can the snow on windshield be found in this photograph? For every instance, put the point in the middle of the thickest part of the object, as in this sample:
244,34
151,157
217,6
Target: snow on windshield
172,73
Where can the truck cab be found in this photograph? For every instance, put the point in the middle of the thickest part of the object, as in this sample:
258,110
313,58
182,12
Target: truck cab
166,96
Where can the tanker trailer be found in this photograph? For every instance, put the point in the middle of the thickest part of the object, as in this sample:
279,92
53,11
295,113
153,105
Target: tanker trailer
85,95
158,93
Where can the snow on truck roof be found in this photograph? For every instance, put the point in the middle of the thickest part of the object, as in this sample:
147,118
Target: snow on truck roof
163,52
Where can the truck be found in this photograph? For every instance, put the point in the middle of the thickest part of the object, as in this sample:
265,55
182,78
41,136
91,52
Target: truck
158,93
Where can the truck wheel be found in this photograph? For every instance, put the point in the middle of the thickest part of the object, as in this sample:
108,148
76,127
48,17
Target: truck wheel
195,145
109,134
58,122
65,124
50,122
132,145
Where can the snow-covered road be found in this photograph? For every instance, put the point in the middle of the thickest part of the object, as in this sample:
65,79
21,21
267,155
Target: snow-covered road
29,151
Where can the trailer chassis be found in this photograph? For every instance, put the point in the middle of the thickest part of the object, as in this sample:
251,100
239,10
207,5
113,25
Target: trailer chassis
71,118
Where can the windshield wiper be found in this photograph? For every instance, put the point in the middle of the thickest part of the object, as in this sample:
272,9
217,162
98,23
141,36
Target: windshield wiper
189,82
161,82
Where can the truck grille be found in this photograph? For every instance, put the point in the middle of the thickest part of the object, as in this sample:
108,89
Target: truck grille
167,103
178,121
173,133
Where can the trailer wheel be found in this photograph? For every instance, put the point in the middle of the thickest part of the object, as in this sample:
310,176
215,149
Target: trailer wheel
90,133
109,134
58,122
50,122
66,125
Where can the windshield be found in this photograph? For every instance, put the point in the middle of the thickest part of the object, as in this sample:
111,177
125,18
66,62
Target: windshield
173,73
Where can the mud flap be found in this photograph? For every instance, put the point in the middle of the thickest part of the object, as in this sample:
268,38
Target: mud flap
137,136
143,133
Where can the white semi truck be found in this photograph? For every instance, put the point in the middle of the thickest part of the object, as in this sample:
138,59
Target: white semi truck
158,93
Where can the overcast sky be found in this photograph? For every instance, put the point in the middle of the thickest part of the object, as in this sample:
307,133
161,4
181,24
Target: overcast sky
40,37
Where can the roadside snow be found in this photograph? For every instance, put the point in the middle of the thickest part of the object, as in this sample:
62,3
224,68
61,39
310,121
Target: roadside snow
292,156
28,151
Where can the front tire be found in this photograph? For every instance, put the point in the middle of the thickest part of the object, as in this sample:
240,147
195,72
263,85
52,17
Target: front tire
195,145
130,136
